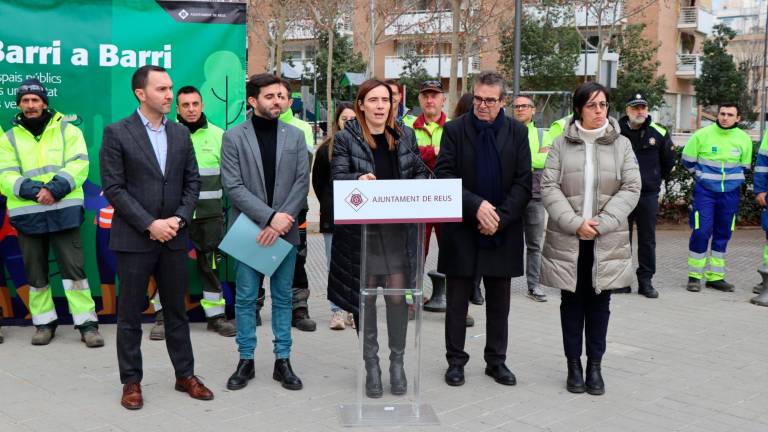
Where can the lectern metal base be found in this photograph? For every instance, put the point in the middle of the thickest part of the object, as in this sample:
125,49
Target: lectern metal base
351,415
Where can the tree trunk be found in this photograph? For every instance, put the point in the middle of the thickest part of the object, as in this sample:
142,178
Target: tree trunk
329,76
456,16
369,69
464,68
279,39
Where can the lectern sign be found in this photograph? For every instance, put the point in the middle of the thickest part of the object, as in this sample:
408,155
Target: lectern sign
396,201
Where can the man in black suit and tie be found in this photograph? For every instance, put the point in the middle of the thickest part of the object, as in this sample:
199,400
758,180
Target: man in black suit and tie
149,175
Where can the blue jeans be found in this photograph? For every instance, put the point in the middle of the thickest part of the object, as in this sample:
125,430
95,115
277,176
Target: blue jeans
248,281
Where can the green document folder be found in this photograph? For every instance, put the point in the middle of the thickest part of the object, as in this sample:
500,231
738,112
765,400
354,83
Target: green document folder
240,244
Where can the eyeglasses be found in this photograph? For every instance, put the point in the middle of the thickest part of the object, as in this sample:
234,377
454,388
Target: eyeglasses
593,105
489,102
523,106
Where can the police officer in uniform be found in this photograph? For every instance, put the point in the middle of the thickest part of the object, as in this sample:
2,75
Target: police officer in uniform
655,154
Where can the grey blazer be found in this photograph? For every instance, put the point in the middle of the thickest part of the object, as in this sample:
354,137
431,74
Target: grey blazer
242,175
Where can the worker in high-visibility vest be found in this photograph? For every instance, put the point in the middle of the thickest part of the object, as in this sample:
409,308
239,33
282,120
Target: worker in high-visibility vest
556,129
43,164
207,228
717,154
760,180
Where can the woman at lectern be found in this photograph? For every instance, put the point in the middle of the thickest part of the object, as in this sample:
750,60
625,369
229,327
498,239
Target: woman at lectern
375,146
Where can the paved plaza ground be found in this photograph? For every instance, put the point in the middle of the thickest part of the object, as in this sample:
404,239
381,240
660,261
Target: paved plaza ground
683,362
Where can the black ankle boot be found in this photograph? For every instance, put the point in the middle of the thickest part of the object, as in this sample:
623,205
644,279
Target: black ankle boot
243,373
575,381
594,380
397,380
373,387
284,373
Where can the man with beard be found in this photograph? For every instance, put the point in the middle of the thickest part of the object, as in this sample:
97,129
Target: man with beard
265,172
207,228
717,154
655,153
43,164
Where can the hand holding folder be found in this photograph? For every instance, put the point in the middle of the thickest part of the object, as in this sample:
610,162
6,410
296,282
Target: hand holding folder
240,243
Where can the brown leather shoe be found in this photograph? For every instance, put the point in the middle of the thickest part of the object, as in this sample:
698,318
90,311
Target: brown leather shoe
132,399
194,387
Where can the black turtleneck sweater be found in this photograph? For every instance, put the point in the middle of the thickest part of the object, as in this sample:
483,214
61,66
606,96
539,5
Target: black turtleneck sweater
266,135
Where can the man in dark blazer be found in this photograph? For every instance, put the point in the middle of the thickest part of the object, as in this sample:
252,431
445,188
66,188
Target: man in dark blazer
149,175
489,152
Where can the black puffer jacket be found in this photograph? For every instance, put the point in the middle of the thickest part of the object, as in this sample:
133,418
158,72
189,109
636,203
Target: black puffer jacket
352,157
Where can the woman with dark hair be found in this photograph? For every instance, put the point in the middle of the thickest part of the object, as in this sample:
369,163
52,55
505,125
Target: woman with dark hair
373,146
589,186
463,106
321,183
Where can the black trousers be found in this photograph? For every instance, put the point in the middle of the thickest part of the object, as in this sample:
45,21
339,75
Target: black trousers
644,216
584,313
170,270
458,291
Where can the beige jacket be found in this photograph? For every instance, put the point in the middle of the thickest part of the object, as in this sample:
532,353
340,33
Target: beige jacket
617,190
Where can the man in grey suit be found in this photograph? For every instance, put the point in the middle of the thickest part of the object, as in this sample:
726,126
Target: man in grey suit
149,175
265,173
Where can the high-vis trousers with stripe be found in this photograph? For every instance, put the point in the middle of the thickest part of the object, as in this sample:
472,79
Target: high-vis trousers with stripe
68,250
206,234
713,217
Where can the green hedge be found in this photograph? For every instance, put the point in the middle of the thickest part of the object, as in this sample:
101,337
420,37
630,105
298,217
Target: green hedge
676,199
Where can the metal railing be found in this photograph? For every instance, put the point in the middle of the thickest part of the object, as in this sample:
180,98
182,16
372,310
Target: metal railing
688,64
689,15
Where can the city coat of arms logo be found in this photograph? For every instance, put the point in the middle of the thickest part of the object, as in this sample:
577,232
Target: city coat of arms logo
356,199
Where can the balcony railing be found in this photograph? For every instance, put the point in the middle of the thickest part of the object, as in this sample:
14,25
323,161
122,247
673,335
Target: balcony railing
696,19
393,65
688,65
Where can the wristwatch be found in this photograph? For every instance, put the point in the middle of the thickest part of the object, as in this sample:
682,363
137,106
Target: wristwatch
182,223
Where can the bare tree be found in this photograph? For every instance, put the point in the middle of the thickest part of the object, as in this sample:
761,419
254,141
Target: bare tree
747,52
271,20
606,17
326,16
384,15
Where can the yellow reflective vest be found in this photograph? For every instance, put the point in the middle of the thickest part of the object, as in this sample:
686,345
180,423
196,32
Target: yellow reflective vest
207,144
56,160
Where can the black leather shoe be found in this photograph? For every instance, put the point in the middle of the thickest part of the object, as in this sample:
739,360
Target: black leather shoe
501,374
285,375
645,288
720,285
575,381
242,375
594,379
454,376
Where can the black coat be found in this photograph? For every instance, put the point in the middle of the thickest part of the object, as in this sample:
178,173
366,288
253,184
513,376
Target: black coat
321,184
352,157
654,150
459,254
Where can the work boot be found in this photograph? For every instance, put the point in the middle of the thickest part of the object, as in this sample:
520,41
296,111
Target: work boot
158,330
437,302
694,285
397,328
43,335
470,321
645,288
594,380
302,321
477,294
90,335
575,381
220,325
758,288
762,298
720,285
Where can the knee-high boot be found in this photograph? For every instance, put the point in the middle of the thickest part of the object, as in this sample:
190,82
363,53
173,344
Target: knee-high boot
373,387
397,327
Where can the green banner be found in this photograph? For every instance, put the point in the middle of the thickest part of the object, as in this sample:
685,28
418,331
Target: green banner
85,52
